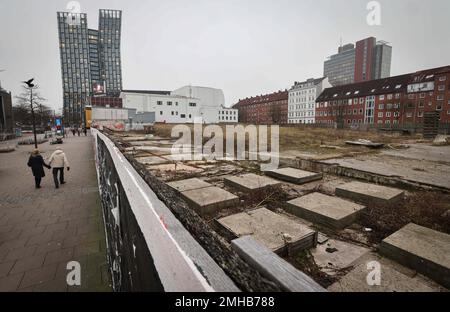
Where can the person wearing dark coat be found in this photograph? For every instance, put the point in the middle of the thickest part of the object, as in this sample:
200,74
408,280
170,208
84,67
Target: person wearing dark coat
37,164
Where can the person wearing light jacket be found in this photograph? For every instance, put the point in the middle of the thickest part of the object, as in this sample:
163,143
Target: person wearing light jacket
58,161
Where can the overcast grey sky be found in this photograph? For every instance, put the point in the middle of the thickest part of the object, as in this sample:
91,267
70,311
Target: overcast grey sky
245,47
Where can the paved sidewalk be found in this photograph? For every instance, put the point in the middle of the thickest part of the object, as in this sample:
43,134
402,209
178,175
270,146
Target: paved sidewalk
41,230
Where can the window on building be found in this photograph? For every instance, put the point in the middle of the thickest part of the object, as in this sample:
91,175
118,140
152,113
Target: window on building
442,78
387,121
381,97
411,96
381,106
192,104
441,88
380,115
420,114
440,97
422,95
408,115
159,102
182,116
160,112
439,107
388,114
169,103
389,97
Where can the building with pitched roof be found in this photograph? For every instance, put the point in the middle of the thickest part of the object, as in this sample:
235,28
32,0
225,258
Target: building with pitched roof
396,101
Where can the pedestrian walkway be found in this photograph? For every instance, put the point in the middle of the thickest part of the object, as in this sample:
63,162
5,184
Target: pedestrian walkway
41,230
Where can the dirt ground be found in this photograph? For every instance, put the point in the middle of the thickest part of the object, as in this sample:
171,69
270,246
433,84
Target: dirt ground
318,140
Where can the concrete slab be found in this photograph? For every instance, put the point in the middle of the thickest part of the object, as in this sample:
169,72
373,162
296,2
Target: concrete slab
250,182
152,160
327,210
293,175
189,184
421,249
335,255
178,167
369,193
274,267
429,173
394,278
209,200
275,231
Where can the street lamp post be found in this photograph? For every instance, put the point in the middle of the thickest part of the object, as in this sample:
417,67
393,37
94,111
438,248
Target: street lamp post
33,117
30,85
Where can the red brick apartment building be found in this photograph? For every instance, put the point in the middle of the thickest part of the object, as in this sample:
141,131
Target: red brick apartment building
264,109
388,102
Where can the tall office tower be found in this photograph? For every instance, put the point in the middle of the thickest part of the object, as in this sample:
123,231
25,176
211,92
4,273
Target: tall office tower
75,69
94,61
90,60
382,62
110,23
369,60
364,59
340,68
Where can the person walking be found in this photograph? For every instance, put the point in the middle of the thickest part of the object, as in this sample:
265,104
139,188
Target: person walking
73,130
58,161
85,131
78,131
37,164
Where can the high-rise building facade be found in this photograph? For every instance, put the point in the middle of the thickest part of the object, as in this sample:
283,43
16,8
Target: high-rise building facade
366,61
90,60
109,25
6,112
340,67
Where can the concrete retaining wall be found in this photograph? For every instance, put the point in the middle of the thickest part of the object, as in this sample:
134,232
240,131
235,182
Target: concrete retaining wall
148,248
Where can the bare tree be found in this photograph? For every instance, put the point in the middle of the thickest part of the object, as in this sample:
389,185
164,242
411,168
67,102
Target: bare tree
22,108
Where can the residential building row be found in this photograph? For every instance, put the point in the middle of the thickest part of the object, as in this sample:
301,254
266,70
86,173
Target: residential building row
386,102
399,100
264,109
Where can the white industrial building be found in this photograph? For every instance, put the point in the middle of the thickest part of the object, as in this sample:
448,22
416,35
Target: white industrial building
302,100
99,113
182,105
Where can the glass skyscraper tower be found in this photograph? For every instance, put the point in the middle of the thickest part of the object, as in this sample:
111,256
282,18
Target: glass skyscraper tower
90,60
